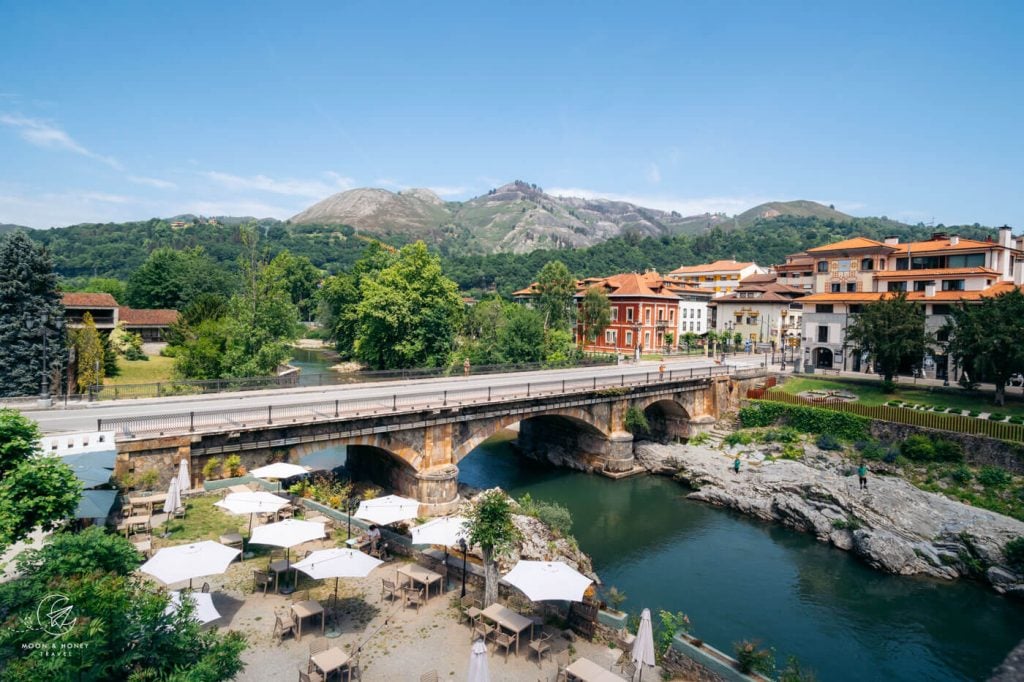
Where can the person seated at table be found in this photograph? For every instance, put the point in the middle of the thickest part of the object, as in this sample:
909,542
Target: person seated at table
373,537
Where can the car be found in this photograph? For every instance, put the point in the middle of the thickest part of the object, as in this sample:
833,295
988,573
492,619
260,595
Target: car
1017,379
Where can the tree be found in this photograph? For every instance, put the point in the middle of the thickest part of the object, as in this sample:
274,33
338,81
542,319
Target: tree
482,332
670,339
891,332
110,368
984,339
28,293
121,628
300,278
595,313
36,490
556,288
737,340
101,285
521,338
408,315
172,279
690,340
89,354
340,295
489,525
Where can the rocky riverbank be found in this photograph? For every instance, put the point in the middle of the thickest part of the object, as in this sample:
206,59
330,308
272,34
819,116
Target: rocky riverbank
893,526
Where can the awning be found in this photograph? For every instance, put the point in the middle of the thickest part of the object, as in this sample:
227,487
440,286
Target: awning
93,469
95,504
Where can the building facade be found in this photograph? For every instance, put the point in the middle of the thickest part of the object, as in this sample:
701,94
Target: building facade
721,277
761,310
643,311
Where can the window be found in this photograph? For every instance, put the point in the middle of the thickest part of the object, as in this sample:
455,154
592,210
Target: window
867,264
844,265
941,309
901,263
854,308
647,315
822,333
629,339
836,287
823,266
672,316
970,260
647,339
750,320
920,285
851,286
615,313
629,314
609,337
952,285
942,334
823,308
897,286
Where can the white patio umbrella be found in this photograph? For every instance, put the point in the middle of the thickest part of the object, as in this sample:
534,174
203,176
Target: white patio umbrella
287,533
184,480
173,501
279,470
185,562
337,563
446,531
478,671
252,503
204,612
388,509
643,645
544,580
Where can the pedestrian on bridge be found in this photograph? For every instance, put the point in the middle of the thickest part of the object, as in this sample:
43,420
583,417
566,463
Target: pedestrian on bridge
465,367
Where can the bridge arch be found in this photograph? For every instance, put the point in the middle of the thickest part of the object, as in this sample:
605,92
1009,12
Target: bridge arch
478,432
667,417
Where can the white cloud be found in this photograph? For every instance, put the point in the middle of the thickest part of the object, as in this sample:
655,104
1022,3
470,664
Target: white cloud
684,205
48,136
315,189
257,209
654,173
152,182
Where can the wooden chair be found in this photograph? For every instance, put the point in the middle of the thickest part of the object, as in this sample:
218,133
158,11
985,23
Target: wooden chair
471,610
482,629
352,668
628,669
414,596
503,639
429,677
563,667
315,647
310,677
388,588
263,578
541,646
283,624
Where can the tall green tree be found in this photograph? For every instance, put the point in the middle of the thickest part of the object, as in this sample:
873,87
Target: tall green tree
100,285
172,278
36,490
483,330
985,339
556,288
891,332
300,278
89,354
340,295
489,525
409,314
28,294
521,338
595,313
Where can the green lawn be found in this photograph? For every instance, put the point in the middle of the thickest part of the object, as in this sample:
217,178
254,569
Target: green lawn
203,521
157,368
870,393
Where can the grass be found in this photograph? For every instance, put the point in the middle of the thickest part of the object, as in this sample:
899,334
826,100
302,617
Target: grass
870,393
203,521
1006,499
157,368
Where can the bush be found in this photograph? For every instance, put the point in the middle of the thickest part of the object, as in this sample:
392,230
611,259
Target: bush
996,417
828,442
232,465
1014,552
890,457
794,672
784,435
792,451
918,448
961,475
636,421
1016,420
842,425
752,658
872,450
211,468
994,477
738,438
555,516
702,438
671,624
888,387
948,451
894,403
972,413
147,479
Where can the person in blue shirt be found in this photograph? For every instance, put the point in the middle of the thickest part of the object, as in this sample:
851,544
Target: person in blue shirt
736,465
862,474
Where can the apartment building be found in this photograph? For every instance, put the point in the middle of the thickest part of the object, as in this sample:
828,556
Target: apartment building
761,310
721,277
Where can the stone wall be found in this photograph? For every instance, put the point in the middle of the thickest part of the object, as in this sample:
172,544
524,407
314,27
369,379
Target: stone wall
978,450
692,659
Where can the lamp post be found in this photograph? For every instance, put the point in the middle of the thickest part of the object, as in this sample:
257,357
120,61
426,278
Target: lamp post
351,507
463,547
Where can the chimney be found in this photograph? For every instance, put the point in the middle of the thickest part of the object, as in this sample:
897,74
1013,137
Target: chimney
929,290
954,240
1005,235
892,240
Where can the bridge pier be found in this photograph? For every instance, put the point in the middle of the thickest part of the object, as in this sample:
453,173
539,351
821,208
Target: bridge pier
618,452
437,490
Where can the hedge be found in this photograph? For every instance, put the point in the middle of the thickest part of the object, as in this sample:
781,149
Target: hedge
807,419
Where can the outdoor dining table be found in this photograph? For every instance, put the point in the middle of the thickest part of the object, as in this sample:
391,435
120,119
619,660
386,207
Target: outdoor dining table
585,670
508,619
148,500
423,576
330,660
133,522
279,568
305,609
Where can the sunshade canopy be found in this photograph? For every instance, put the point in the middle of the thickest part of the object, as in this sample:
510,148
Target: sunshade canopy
95,504
173,501
643,646
185,562
388,509
93,469
337,563
445,531
548,580
279,470
251,503
184,480
287,533
204,611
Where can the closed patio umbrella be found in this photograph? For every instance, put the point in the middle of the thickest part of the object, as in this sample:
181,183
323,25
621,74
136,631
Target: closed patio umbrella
204,611
185,562
252,503
478,671
173,501
643,645
548,580
388,509
184,480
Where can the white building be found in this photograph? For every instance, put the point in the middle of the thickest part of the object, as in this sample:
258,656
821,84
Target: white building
721,277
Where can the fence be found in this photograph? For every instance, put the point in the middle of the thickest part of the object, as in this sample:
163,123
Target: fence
213,420
204,386
900,415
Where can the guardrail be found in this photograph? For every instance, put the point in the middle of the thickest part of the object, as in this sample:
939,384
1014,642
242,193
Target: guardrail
163,389
215,420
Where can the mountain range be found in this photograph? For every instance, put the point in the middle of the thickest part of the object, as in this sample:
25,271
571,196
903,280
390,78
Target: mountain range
520,217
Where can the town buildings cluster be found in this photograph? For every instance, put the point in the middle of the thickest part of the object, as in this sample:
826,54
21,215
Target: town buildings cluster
802,307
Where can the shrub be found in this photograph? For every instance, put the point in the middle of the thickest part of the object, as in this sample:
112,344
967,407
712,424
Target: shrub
147,479
784,435
761,413
890,457
702,438
873,450
849,523
671,624
555,516
752,658
917,448
616,598
792,451
894,403
994,477
1016,420
843,425
972,413
947,451
888,387
1014,552
636,421
828,442
794,672
211,468
232,465
996,417
961,475
738,438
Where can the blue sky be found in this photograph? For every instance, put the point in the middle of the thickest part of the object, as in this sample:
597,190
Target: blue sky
118,110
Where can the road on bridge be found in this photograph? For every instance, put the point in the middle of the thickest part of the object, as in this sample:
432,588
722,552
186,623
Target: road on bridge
406,394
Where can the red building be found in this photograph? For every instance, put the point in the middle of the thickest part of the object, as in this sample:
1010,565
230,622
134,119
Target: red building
643,311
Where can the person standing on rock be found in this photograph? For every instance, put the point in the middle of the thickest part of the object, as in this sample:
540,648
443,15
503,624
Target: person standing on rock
736,465
862,474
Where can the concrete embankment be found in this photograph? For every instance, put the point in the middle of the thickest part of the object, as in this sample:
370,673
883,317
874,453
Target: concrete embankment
893,526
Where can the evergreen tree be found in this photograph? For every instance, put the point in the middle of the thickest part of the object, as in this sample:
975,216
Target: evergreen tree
89,354
28,293
891,332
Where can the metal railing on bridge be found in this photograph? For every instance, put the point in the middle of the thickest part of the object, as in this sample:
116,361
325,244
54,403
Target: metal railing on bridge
214,420
187,387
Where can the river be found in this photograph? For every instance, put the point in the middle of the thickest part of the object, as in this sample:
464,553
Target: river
738,578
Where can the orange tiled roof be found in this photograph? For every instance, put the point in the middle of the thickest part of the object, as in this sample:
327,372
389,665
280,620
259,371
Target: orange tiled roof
940,296
850,244
78,299
717,266
944,245
935,272
632,285
143,317
528,291
765,297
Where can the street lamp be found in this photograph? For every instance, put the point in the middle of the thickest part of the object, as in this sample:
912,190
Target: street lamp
351,507
464,548
44,394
